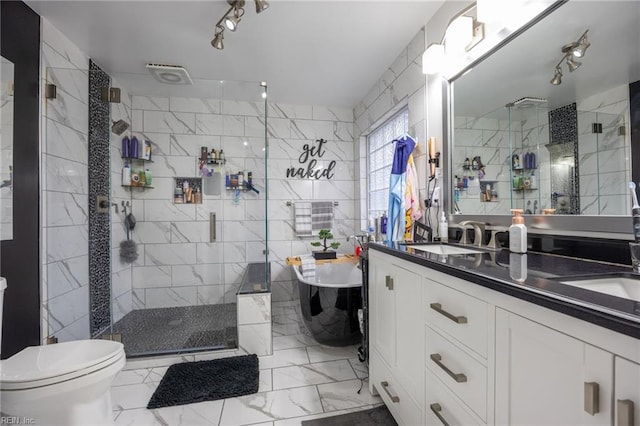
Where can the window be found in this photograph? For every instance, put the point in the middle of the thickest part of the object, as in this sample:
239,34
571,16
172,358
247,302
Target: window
380,159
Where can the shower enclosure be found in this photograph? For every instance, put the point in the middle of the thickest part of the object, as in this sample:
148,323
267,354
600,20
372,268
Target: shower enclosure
191,216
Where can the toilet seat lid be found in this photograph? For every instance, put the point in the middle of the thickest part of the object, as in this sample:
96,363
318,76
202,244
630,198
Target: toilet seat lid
36,363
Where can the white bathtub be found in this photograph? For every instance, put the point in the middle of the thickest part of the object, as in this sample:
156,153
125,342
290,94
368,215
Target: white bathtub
336,275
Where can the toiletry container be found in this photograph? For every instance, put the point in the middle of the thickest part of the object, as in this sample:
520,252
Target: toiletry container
134,153
443,228
517,233
126,147
126,175
147,176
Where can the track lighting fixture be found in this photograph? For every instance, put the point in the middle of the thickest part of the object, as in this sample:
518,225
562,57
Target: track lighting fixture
261,6
232,18
557,78
217,39
571,51
232,22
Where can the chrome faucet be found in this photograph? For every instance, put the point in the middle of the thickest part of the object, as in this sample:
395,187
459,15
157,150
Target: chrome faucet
360,239
493,242
478,235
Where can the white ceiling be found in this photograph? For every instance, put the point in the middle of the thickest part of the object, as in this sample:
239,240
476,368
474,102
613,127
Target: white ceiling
309,52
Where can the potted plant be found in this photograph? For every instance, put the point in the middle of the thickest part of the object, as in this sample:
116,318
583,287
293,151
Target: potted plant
324,235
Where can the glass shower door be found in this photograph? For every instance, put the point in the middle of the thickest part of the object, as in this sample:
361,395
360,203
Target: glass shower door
200,215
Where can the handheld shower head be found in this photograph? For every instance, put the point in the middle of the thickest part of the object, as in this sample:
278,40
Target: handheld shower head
119,127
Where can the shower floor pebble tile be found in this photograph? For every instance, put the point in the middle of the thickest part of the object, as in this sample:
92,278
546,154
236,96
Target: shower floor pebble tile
302,380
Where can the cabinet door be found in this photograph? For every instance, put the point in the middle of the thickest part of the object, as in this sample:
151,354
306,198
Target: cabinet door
546,377
409,328
627,393
382,312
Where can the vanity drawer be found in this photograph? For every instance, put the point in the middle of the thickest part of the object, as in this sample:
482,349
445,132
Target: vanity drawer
404,409
442,407
461,373
462,316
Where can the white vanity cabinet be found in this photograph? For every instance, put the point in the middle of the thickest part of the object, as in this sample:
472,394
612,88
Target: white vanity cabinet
396,335
546,377
627,393
448,351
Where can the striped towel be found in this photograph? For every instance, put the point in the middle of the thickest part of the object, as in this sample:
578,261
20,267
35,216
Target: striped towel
312,216
302,214
308,267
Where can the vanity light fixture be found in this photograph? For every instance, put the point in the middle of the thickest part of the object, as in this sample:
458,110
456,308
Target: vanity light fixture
463,33
571,51
232,18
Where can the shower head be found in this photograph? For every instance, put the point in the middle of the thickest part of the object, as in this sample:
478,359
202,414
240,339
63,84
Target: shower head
526,102
119,127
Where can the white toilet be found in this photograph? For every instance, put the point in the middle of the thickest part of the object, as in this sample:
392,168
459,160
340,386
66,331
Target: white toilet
62,384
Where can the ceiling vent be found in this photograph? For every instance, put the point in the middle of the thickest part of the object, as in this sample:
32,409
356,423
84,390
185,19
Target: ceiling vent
169,74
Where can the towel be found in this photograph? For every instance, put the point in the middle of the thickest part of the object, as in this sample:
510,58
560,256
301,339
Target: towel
308,267
302,214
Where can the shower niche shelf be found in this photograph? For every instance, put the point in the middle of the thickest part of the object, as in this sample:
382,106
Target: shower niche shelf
138,173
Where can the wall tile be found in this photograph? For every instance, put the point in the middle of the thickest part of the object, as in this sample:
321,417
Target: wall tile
168,297
170,254
151,276
195,105
204,274
150,103
169,122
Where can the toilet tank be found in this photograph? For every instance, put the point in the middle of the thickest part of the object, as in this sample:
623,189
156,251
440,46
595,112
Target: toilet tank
3,285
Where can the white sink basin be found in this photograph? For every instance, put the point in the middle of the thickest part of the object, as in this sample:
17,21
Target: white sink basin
444,249
627,288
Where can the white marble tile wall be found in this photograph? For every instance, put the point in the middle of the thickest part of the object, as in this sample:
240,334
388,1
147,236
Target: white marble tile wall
402,83
254,323
605,158
64,196
177,261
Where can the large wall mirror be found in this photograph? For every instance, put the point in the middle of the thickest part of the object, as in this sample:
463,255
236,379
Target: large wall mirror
520,140
6,149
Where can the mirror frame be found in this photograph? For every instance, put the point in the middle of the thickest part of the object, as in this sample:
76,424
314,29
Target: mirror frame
609,227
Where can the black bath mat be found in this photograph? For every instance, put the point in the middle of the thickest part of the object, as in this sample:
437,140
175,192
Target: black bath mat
200,381
379,416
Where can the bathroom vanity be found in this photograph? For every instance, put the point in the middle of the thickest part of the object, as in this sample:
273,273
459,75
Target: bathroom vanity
487,338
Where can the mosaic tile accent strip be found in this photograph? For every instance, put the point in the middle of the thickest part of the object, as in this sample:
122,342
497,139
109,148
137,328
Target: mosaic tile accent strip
99,184
563,137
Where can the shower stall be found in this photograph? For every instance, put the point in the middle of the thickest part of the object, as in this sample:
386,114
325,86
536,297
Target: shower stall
168,236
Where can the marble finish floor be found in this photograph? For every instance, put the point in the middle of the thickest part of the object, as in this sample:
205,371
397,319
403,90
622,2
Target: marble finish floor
302,380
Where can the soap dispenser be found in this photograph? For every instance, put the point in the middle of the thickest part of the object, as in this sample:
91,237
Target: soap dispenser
443,228
517,233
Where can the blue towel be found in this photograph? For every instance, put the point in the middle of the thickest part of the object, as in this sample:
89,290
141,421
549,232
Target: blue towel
398,187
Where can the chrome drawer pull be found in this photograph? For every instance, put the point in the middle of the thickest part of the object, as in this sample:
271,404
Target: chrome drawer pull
388,282
385,386
625,409
591,398
458,377
436,408
438,308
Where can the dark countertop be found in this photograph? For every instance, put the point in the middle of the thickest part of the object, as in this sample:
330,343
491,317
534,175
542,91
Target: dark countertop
535,283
